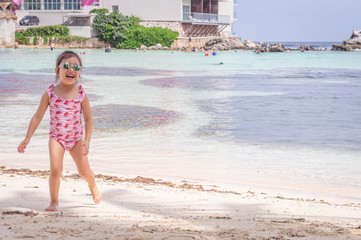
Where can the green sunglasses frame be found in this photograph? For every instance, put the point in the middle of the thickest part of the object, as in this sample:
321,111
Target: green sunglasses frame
67,66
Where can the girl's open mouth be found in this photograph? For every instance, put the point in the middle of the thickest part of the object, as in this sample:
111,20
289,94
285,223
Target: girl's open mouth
70,76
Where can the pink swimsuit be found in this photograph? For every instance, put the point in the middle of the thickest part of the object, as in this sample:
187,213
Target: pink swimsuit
65,118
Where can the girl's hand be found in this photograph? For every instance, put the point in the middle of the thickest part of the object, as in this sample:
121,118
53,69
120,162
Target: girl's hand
23,144
85,147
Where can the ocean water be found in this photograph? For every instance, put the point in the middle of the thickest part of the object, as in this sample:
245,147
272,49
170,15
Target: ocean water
286,123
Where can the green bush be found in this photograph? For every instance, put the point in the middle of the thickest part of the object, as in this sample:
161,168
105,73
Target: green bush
21,39
140,35
55,30
99,11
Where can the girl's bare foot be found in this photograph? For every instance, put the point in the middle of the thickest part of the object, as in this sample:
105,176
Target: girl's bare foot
53,207
97,196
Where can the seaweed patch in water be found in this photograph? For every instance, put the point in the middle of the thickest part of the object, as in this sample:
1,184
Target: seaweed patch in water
113,117
17,83
194,82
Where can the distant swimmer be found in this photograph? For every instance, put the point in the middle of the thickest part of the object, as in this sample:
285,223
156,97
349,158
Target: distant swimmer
221,63
108,49
206,53
52,45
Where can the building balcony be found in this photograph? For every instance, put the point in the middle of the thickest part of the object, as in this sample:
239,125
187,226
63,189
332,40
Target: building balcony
206,19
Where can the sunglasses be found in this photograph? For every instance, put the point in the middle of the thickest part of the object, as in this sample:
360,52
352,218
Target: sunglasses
67,65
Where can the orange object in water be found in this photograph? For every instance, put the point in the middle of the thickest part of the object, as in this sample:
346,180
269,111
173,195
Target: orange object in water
244,50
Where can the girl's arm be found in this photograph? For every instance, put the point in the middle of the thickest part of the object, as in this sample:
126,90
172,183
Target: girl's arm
34,123
88,119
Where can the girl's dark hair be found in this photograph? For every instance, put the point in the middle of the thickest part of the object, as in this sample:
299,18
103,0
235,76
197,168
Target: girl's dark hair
61,57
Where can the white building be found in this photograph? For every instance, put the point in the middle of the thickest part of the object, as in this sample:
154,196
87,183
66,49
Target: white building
188,17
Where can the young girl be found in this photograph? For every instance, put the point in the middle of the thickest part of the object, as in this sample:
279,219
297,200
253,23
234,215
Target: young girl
67,102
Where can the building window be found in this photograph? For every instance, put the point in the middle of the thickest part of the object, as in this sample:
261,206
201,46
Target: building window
186,12
214,7
196,6
32,5
115,8
72,4
51,4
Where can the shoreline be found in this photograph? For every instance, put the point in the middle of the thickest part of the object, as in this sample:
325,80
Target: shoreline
221,44
143,208
185,185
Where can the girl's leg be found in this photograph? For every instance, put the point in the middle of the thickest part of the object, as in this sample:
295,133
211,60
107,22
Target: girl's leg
56,153
84,170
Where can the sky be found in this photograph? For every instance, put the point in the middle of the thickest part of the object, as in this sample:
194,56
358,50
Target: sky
297,20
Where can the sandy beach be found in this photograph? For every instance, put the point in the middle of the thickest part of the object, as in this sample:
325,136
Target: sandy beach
143,208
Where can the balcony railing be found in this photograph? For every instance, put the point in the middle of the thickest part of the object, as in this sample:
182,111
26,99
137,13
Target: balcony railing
206,18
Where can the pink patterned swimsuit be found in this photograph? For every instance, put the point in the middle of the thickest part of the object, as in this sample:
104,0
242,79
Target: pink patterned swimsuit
65,118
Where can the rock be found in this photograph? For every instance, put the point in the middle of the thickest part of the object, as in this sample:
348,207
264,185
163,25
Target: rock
236,43
250,45
337,47
355,38
225,43
213,42
349,45
270,47
307,48
143,47
277,48
158,46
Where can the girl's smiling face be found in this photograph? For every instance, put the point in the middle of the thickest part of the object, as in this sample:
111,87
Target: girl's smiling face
68,76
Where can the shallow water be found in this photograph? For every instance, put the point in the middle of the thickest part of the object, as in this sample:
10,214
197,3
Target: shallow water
286,122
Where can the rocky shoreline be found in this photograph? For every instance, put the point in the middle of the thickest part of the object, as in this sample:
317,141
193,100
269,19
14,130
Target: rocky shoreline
236,43
220,43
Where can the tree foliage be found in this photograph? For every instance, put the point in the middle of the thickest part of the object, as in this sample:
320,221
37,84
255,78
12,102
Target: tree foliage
125,32
112,27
